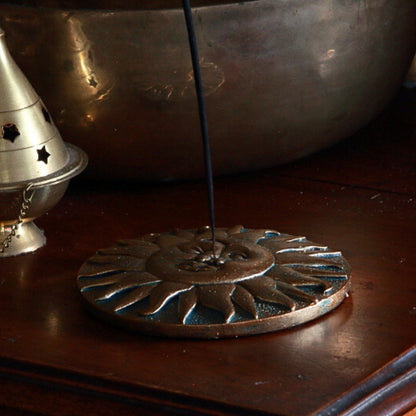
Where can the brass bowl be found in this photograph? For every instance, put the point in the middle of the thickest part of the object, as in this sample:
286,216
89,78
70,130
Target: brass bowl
282,78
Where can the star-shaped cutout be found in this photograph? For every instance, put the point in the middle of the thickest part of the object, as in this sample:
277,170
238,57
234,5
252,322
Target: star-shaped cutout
43,155
46,115
10,132
92,82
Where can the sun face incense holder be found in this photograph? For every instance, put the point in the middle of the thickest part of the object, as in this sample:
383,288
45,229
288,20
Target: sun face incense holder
213,282
171,284
35,164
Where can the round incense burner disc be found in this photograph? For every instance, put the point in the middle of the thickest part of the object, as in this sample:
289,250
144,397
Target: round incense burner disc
172,284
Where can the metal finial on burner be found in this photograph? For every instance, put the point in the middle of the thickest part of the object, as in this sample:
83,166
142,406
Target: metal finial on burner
35,163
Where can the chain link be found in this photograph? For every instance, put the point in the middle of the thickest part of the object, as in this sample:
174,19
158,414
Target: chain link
26,202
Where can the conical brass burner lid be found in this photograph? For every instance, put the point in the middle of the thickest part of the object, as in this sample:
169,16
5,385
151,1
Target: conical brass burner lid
16,91
31,147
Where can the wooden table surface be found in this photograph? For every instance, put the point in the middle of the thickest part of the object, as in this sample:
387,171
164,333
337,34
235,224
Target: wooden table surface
358,197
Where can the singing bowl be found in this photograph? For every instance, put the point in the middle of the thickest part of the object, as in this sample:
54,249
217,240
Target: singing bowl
282,78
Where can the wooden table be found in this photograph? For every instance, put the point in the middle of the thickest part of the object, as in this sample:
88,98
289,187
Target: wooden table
358,197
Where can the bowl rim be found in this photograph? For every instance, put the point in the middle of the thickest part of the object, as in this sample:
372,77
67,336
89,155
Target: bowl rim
115,5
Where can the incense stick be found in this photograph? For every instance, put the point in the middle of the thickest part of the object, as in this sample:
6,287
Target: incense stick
202,114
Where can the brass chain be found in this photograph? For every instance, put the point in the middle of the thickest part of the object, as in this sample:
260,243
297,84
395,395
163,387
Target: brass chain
26,201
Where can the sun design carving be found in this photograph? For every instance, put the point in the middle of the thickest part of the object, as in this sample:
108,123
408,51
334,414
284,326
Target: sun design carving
248,270
178,84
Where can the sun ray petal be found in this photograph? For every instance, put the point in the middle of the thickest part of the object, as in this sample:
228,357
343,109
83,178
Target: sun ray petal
132,265
296,278
243,298
297,239
128,281
264,288
133,297
142,249
319,270
162,293
302,258
309,249
327,254
296,293
115,289
330,261
187,303
92,271
218,297
88,282
284,243
99,259
236,229
253,236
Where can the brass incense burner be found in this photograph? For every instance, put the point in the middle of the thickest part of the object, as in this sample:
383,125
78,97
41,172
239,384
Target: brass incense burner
35,163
